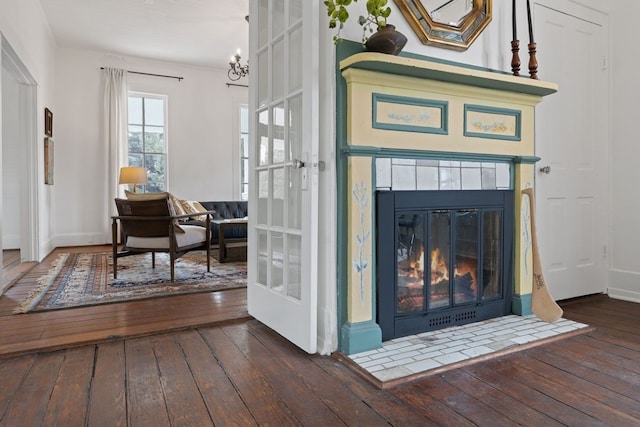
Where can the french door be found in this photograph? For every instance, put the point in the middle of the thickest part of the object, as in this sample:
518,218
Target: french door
283,92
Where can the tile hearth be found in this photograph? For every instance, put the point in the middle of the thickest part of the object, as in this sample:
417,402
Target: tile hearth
413,355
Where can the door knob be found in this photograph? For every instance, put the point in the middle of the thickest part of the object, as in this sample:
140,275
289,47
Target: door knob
545,169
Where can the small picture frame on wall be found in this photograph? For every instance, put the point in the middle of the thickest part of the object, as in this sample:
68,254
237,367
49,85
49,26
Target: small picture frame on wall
48,122
48,161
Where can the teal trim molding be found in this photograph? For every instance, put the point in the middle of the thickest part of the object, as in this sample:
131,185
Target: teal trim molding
366,151
521,305
526,160
410,114
481,121
359,337
343,50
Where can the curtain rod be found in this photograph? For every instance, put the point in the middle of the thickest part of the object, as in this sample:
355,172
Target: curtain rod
235,84
151,74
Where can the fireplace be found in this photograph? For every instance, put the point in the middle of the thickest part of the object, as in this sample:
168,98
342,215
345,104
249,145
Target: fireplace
432,161
443,258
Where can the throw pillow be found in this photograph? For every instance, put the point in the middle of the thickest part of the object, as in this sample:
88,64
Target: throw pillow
193,207
177,206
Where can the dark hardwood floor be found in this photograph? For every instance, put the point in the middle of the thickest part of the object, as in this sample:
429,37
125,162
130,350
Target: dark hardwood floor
244,374
21,333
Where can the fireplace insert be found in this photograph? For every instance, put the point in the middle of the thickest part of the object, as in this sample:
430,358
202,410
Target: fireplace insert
443,258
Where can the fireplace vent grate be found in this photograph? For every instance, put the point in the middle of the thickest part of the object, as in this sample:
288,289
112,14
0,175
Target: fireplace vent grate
467,315
439,321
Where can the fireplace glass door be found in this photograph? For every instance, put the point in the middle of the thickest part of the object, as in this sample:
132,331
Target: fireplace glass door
467,271
449,262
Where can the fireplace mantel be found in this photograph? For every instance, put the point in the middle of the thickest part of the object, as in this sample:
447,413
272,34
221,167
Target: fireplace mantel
413,107
445,71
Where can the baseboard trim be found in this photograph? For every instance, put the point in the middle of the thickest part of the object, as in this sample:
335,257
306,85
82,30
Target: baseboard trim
623,294
84,239
623,285
12,241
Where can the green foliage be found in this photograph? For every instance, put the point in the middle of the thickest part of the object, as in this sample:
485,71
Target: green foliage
338,15
377,14
147,149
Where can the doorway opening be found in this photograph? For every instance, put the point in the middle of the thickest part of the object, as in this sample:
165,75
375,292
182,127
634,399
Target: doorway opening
20,157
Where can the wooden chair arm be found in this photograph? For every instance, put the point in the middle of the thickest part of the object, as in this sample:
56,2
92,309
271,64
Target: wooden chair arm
156,218
141,218
207,213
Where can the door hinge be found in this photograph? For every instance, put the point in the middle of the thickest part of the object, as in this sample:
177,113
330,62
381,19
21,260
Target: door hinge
605,63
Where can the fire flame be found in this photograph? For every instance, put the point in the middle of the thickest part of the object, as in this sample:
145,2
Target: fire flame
439,270
416,269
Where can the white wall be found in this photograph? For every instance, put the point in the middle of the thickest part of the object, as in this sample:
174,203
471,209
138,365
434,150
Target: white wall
625,228
201,134
25,29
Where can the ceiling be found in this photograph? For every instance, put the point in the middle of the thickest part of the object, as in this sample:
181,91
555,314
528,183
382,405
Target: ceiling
196,32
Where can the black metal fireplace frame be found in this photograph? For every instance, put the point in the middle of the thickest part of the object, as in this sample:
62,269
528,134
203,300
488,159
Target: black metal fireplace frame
388,204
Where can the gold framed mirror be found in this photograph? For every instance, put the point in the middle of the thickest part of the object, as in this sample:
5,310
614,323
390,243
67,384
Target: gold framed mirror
451,24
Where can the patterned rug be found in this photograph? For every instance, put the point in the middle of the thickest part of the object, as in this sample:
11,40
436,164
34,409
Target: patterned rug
82,279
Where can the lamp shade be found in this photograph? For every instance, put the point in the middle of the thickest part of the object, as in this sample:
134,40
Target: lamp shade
133,175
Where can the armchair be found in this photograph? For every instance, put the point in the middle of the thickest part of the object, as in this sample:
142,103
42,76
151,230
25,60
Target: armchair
149,226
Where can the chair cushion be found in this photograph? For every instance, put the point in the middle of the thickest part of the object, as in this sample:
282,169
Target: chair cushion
192,235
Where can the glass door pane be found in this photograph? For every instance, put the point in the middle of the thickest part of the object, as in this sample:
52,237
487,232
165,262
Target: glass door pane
491,254
439,259
466,264
410,283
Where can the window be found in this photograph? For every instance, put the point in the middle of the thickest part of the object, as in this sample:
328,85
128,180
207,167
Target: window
244,152
147,138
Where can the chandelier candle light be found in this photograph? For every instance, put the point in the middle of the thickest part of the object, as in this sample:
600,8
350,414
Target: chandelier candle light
237,71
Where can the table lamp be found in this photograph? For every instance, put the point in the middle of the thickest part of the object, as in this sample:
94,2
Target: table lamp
134,175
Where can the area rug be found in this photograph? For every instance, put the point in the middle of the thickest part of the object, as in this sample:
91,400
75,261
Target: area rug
82,279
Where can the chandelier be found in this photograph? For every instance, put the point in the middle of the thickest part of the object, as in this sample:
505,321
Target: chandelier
237,71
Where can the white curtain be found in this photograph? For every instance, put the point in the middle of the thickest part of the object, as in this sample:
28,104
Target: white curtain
115,132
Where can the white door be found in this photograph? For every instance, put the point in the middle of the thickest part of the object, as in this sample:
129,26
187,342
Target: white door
572,128
283,91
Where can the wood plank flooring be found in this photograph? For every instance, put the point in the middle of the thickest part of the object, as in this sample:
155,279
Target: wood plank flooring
244,374
61,328
12,268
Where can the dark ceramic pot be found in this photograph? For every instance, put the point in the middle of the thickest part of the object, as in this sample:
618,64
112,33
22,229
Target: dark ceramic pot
386,40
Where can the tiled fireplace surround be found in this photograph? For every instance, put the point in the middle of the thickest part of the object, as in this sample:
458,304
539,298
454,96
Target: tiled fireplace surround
433,117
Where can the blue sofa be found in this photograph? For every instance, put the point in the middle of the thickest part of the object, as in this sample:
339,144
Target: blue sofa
226,210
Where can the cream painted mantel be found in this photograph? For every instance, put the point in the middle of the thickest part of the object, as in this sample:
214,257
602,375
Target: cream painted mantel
416,107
